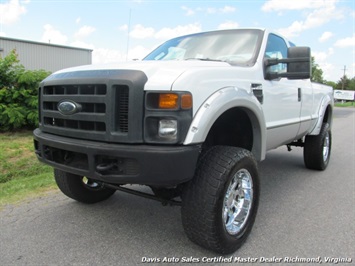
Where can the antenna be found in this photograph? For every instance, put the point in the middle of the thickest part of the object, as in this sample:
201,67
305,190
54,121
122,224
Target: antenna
128,31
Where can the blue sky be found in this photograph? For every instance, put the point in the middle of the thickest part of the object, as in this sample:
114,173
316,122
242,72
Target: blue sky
113,27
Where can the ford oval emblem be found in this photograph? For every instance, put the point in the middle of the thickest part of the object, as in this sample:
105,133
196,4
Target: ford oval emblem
68,107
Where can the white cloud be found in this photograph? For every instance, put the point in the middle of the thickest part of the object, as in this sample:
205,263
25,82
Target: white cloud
81,44
328,70
325,36
293,30
168,33
84,31
330,51
228,25
279,5
189,11
211,10
319,56
10,12
228,9
315,19
52,35
102,55
138,52
3,34
208,10
346,42
141,32
123,27
322,58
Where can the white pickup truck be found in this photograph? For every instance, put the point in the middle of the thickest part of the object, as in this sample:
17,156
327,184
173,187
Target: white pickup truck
190,121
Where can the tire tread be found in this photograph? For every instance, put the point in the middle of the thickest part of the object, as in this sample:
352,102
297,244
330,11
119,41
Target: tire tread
206,189
72,186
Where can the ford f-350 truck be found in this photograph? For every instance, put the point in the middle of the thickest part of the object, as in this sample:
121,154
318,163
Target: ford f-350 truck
190,121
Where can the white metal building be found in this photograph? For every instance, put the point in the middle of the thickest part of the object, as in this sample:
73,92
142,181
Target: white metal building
50,57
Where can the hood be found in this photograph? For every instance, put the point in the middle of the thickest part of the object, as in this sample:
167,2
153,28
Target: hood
161,74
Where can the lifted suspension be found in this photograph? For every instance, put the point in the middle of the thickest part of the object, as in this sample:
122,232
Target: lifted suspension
296,143
165,202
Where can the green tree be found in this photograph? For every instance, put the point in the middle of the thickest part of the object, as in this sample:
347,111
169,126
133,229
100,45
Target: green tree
18,94
331,84
351,85
317,72
343,83
9,69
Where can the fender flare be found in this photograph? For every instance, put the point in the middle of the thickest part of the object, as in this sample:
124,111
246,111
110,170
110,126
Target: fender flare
325,103
220,102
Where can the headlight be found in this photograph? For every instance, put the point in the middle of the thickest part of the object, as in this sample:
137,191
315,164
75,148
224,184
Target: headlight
167,117
168,129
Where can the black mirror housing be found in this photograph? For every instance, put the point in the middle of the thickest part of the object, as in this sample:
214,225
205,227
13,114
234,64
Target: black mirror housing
298,64
299,69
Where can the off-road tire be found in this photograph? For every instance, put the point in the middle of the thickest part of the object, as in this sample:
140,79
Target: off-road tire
317,149
203,198
75,187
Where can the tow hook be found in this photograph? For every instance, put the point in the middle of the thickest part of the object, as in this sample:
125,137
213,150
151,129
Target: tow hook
103,167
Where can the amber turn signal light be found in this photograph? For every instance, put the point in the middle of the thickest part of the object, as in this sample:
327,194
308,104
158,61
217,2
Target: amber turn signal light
168,101
186,101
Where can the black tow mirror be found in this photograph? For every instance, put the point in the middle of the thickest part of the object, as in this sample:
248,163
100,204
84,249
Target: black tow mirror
298,64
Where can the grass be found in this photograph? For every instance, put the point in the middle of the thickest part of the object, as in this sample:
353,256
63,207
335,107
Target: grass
345,104
21,174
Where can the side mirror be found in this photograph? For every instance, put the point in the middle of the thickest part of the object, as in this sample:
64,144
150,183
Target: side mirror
299,69
298,64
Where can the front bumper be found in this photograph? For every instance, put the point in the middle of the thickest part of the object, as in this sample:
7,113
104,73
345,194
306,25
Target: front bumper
118,163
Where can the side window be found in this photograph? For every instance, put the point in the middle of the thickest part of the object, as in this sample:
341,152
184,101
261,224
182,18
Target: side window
276,48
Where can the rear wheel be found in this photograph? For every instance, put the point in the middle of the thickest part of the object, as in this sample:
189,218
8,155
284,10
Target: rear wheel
81,188
316,152
220,203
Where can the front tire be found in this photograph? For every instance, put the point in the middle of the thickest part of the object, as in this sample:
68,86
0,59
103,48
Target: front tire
220,203
80,188
316,152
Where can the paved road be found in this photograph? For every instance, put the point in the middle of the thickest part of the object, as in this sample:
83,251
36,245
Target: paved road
302,214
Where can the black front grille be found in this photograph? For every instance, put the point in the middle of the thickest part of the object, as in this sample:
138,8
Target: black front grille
122,104
91,98
75,124
97,89
109,105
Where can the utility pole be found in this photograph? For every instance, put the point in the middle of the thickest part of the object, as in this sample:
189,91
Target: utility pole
343,83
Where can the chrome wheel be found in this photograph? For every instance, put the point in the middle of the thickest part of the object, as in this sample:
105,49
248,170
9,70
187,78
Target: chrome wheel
238,202
326,147
81,188
90,183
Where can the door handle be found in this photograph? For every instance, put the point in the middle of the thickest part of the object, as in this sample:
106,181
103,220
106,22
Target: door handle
299,94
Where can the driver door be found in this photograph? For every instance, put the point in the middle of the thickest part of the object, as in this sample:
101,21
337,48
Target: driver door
282,103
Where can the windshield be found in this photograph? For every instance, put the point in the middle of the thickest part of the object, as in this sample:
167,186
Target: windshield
237,47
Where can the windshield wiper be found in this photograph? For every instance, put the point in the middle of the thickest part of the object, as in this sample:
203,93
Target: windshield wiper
205,59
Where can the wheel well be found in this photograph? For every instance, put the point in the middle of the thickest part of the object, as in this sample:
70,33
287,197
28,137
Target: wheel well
328,115
232,128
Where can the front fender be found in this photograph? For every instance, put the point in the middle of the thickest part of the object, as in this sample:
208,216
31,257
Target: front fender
220,102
